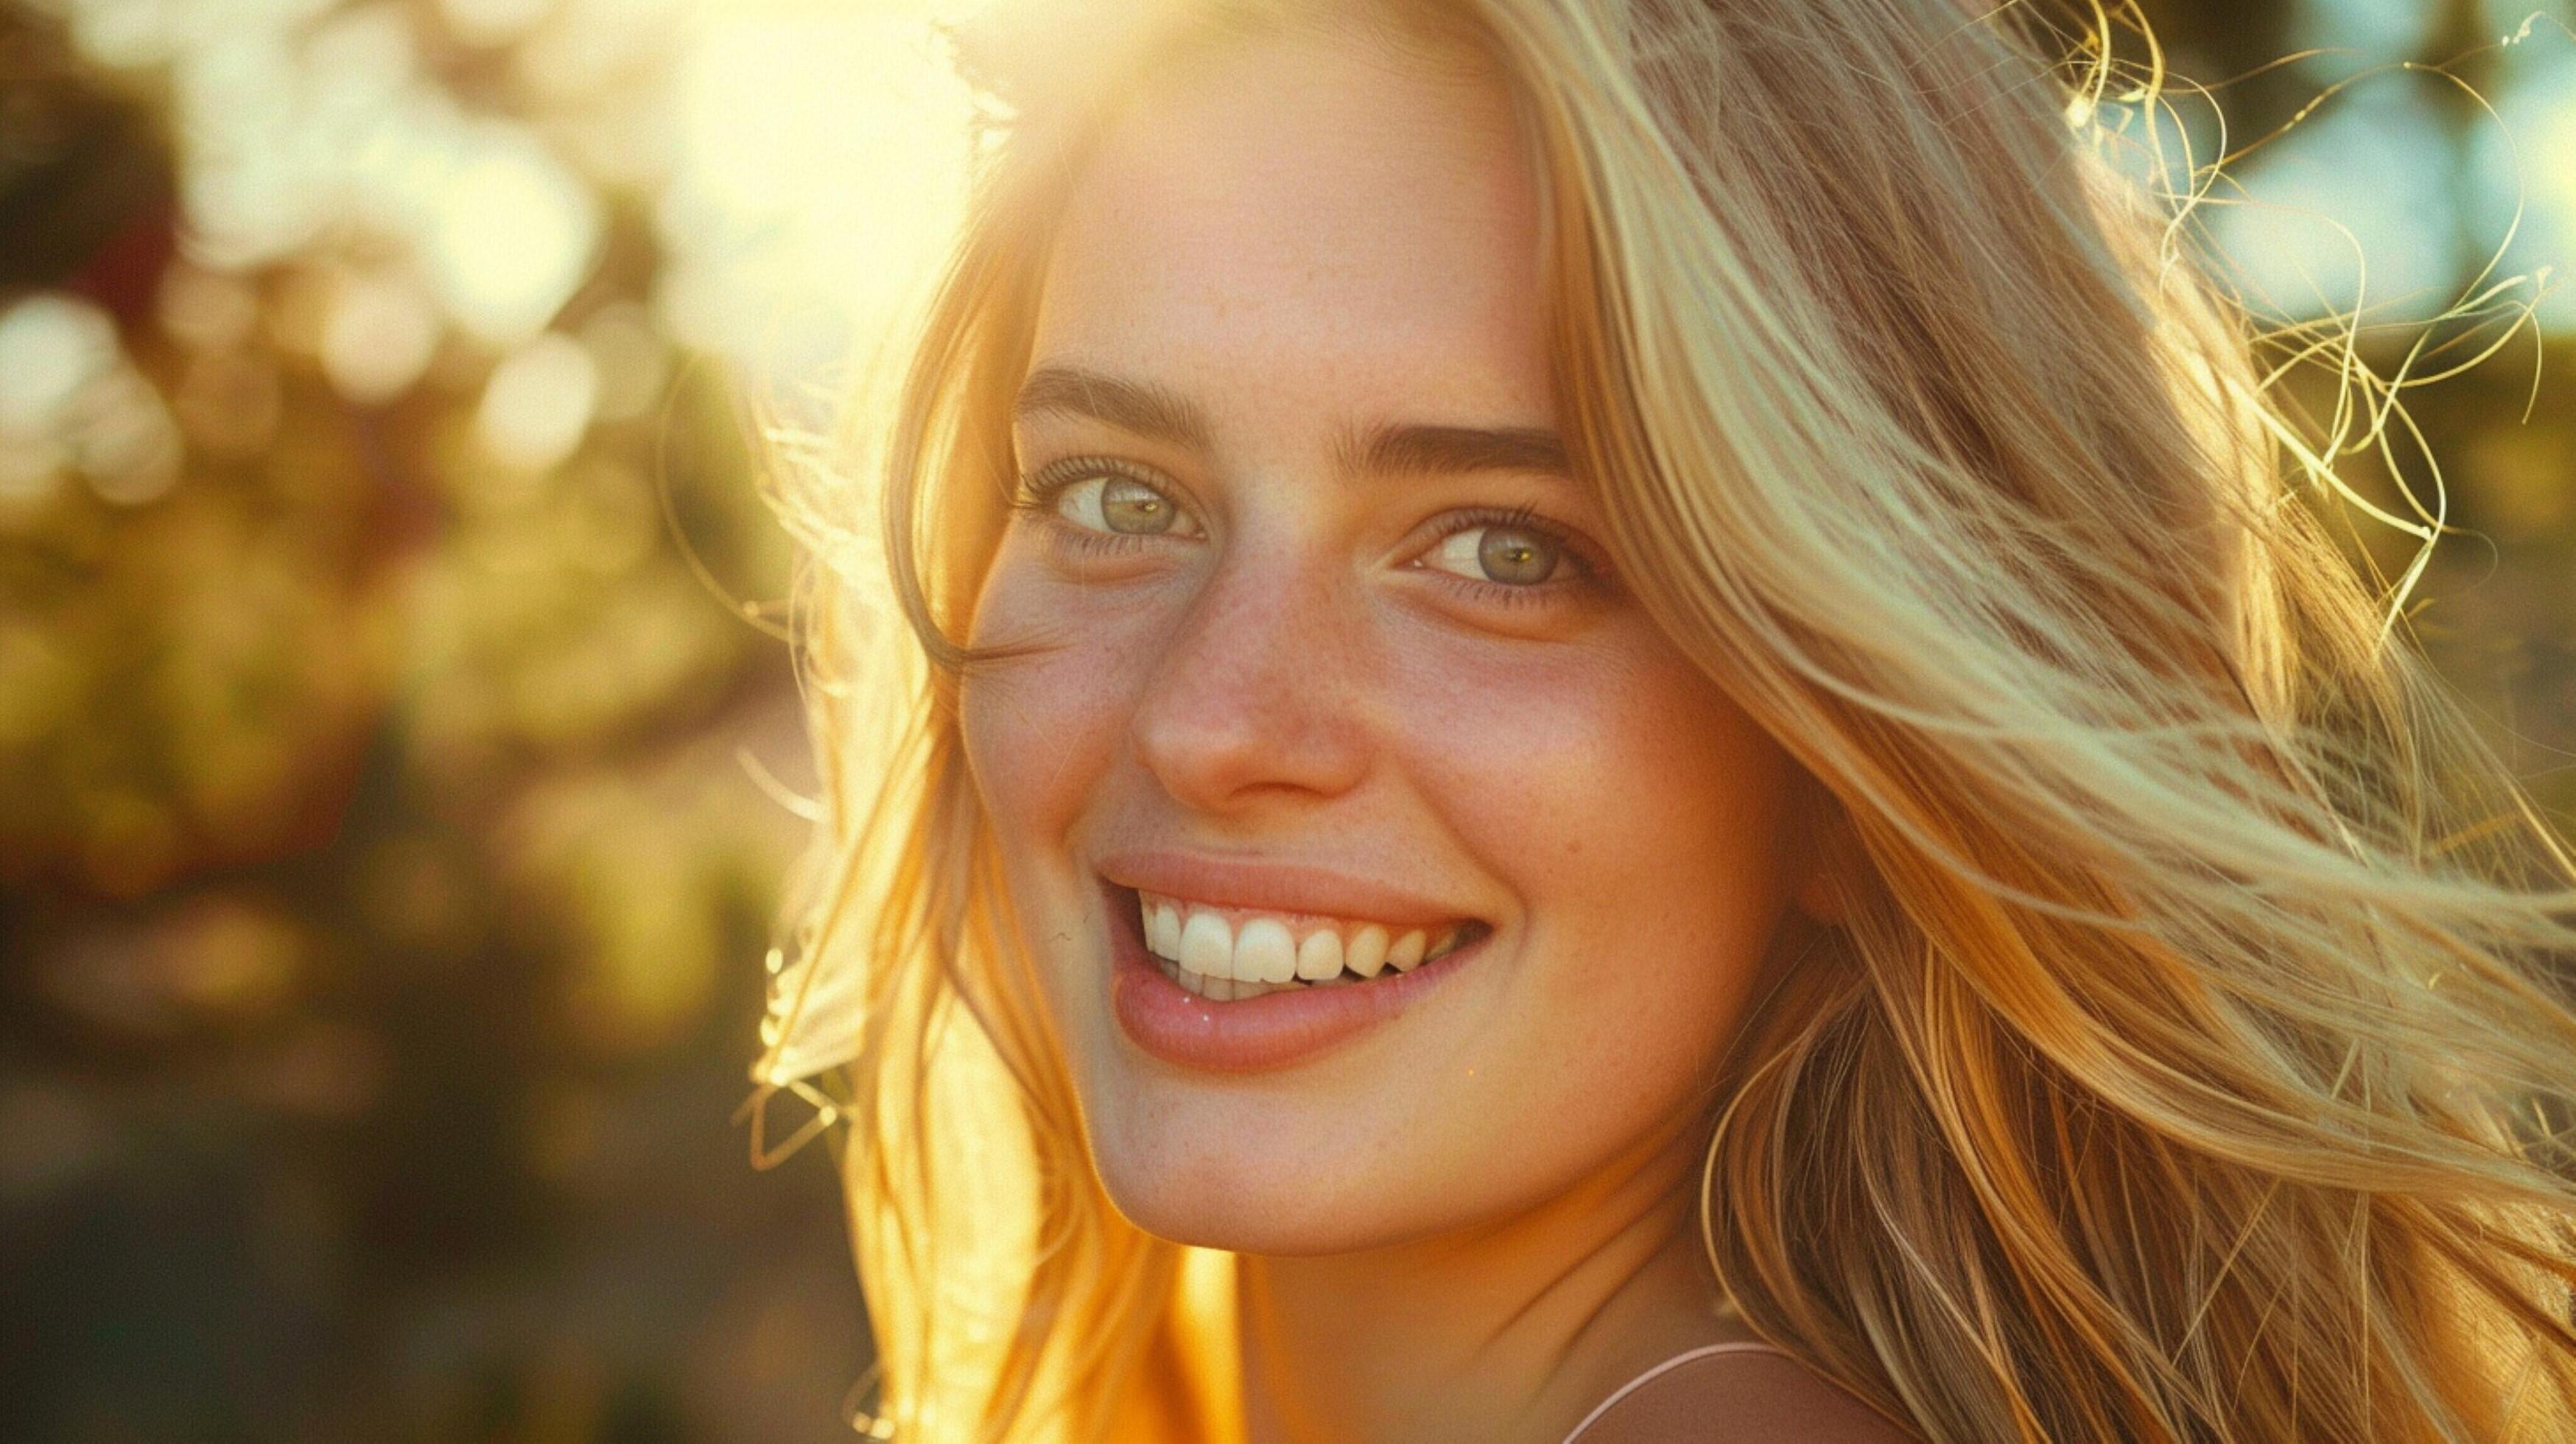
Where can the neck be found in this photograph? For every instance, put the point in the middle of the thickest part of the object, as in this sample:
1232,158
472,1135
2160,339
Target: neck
1508,1330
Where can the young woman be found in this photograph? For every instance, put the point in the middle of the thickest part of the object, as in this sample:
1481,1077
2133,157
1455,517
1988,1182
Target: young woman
1622,720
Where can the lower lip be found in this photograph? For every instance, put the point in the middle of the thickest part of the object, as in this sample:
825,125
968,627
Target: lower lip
1254,1035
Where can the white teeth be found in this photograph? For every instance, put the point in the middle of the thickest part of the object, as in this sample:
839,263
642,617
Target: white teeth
1367,951
1261,954
1264,953
1207,946
1320,956
1406,952
1188,981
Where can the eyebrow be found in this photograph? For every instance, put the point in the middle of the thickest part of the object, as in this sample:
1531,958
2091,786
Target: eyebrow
1138,406
1399,448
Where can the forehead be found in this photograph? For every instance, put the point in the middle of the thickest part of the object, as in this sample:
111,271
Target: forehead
1317,214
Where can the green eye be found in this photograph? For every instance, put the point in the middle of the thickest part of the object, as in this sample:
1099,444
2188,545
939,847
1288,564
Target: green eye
1514,556
1117,504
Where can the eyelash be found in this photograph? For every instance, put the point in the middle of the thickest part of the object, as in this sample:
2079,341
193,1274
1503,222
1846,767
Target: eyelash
1591,574
1037,491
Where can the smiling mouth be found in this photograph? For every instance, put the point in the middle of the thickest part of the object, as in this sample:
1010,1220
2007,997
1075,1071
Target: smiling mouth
1227,954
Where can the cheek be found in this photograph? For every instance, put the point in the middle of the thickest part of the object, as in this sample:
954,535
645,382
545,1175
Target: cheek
1614,759
1037,728
1637,814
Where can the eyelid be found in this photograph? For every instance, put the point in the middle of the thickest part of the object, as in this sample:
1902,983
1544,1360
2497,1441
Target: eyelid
1573,547
1039,489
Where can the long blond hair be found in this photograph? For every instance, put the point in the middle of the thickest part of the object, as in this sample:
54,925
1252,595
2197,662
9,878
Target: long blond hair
2189,1057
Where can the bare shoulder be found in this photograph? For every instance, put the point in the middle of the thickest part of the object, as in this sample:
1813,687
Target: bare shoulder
1740,1394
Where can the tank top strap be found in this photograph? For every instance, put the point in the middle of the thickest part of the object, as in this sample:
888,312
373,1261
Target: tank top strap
1732,1346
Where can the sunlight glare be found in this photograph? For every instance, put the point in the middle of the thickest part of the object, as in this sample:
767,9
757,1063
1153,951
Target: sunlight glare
822,160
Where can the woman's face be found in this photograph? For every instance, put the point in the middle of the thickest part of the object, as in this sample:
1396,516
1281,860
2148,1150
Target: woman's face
1328,653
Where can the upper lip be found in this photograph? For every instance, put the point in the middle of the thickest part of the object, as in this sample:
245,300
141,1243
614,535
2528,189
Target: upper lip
1273,886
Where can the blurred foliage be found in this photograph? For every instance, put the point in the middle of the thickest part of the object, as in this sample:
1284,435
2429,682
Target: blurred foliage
385,884
391,780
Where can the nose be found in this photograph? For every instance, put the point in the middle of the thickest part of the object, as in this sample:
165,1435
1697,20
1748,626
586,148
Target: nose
1254,698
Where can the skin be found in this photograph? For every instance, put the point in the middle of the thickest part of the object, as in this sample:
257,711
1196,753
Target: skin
1476,1220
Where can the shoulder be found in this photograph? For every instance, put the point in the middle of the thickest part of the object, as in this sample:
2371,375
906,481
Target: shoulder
1730,1392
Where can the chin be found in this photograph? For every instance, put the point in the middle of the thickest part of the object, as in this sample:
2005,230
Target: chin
1241,1224
1254,1202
